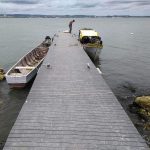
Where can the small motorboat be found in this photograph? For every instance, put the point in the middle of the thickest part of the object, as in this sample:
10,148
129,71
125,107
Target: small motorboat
2,74
91,42
26,68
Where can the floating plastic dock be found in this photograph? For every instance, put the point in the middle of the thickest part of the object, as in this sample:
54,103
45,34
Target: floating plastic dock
70,107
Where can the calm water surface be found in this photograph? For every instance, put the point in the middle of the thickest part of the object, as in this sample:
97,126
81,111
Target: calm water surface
125,58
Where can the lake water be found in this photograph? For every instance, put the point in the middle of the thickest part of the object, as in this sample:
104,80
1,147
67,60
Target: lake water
125,58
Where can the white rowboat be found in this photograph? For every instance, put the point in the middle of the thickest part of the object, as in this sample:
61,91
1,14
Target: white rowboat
26,68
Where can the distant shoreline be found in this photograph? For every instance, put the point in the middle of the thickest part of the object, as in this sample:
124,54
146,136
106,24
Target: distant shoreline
66,16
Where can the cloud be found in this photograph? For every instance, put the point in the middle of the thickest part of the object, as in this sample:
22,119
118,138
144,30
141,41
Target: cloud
143,3
87,7
20,2
131,2
19,6
127,5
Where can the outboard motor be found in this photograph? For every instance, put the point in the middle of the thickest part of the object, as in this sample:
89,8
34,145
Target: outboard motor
47,41
47,38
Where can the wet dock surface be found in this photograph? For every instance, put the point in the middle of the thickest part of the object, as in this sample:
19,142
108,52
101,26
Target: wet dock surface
70,107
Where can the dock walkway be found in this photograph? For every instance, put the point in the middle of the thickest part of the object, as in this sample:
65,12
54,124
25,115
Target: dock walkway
70,107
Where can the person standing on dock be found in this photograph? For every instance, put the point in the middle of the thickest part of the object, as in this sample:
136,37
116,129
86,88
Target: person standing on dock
70,25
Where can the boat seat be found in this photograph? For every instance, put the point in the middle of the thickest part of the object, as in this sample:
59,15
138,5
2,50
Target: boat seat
24,67
16,74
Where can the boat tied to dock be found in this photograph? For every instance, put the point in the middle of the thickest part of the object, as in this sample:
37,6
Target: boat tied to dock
26,68
91,42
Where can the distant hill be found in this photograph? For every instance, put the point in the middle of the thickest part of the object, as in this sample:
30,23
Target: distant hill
44,16
60,16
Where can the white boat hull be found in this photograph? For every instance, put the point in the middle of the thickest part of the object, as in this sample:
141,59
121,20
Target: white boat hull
21,81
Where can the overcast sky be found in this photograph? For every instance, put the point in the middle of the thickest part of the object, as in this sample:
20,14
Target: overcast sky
76,7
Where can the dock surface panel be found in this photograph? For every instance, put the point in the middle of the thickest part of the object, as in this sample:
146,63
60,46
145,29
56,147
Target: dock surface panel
70,107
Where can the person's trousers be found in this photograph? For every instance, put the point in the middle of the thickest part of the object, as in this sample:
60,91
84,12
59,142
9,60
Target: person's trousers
70,29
